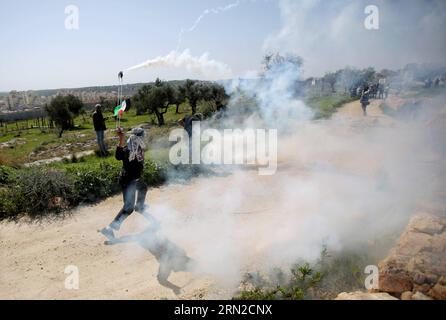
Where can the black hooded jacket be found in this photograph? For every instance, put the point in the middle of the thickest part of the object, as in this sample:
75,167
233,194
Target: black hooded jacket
131,170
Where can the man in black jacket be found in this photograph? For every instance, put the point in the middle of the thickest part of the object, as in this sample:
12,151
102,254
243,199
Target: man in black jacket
99,127
132,157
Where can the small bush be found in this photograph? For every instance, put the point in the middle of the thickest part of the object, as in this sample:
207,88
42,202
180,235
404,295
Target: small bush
42,190
51,189
154,174
257,294
93,181
301,280
8,203
5,174
322,280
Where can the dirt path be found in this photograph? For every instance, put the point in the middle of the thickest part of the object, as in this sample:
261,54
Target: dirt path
353,112
34,256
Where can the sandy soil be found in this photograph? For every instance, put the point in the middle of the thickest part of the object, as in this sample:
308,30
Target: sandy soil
34,258
34,255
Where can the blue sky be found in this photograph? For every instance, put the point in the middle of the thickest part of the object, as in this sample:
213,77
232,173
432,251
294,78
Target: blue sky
38,52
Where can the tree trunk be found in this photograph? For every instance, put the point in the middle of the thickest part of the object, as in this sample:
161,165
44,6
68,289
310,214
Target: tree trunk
194,107
160,118
178,108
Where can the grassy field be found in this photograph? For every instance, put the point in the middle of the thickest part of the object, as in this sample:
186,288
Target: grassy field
30,145
89,178
324,106
35,144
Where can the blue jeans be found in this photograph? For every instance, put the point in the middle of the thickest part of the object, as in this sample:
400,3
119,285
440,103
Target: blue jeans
135,190
101,143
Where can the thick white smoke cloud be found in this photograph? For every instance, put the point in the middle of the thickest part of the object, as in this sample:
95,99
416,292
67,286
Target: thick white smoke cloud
330,35
344,183
203,65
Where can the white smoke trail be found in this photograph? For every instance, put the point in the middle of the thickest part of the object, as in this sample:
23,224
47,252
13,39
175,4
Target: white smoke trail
203,65
201,17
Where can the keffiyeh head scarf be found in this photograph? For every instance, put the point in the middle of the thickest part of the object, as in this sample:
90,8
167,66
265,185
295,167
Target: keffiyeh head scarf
136,145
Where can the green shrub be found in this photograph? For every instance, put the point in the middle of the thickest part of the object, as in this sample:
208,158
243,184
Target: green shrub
8,203
5,174
301,280
93,181
257,294
322,280
154,174
51,189
41,190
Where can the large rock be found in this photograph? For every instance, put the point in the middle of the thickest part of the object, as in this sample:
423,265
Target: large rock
359,295
420,296
418,261
426,223
438,292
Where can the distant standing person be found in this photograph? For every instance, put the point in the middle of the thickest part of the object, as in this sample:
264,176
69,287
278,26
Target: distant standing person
187,122
381,91
386,92
365,100
99,127
133,189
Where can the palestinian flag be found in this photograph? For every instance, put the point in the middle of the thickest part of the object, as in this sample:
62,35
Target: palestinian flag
124,106
119,111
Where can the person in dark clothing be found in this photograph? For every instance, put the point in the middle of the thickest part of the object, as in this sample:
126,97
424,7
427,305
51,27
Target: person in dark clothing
133,188
99,127
365,100
187,123
380,91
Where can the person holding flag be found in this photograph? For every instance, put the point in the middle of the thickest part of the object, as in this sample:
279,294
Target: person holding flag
133,188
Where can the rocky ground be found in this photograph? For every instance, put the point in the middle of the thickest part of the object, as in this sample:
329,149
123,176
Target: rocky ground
417,264
415,268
